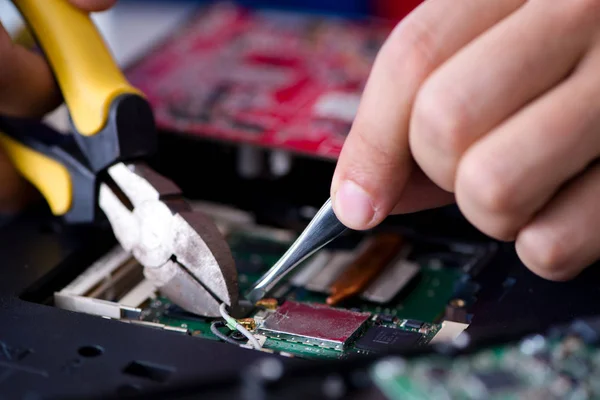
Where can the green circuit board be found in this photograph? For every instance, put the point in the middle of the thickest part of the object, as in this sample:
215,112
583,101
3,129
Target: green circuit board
538,367
425,301
160,311
423,304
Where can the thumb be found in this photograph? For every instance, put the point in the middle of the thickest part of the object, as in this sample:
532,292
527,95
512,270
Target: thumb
375,162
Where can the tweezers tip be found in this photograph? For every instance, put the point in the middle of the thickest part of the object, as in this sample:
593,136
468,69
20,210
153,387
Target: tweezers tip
255,295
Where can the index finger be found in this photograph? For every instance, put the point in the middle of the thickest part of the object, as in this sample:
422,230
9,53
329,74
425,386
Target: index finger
375,162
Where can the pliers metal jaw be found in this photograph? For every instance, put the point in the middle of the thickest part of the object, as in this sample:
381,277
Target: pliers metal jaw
181,250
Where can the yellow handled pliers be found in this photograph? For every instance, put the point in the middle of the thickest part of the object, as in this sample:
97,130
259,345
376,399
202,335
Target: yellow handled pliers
101,165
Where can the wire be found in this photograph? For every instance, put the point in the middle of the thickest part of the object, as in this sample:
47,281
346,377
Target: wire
234,325
214,329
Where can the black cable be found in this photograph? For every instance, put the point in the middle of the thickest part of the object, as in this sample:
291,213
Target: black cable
215,331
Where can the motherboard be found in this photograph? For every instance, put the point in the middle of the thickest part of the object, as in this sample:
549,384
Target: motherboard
562,364
364,294
273,79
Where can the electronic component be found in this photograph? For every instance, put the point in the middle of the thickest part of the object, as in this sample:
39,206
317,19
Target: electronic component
411,323
102,271
248,323
338,262
113,286
456,311
311,268
391,281
449,331
268,303
381,250
387,318
314,324
382,338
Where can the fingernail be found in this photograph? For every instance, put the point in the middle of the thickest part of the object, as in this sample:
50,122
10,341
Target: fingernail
353,206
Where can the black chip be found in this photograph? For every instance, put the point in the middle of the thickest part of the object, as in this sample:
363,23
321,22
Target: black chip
385,318
495,381
413,323
381,338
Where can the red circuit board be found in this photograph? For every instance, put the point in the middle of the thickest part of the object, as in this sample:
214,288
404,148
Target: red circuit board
273,79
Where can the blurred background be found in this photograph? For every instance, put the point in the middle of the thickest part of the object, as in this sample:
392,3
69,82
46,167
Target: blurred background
253,98
133,27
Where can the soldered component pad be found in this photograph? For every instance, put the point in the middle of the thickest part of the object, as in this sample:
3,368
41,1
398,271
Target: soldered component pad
314,324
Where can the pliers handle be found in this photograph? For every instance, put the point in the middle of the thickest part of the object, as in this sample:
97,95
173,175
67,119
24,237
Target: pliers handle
111,120
99,167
